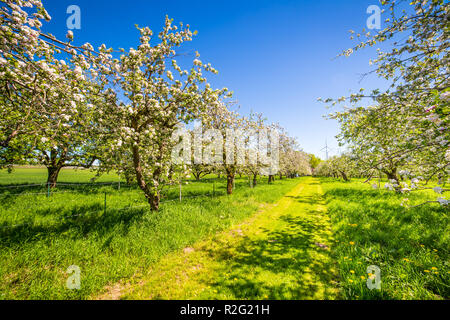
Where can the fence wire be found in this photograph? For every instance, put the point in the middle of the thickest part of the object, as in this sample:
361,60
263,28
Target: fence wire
167,188
106,209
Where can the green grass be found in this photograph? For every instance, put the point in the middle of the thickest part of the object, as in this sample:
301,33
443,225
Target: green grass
272,255
237,254
23,175
410,246
41,237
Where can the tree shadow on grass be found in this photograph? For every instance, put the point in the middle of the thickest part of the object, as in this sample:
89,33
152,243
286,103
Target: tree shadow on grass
291,260
285,263
309,200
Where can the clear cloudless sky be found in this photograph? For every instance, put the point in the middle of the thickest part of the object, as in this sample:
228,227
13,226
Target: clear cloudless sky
277,56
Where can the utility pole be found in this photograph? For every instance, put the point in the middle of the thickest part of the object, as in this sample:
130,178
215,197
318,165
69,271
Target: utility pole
326,149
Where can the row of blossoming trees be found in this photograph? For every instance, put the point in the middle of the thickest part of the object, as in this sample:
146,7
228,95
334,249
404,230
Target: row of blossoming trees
63,104
403,133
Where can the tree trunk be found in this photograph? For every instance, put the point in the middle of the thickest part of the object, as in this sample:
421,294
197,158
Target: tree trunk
128,178
281,175
153,200
255,181
270,178
392,175
344,176
52,176
230,179
152,197
170,175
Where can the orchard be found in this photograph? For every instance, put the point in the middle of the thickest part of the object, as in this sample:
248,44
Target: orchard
136,174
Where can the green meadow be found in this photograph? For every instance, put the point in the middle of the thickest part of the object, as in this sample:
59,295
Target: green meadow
303,238
409,245
36,175
40,236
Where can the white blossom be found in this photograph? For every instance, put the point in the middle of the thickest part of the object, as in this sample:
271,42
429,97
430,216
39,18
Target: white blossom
437,190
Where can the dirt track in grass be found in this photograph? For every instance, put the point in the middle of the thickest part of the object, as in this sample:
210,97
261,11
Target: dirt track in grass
281,252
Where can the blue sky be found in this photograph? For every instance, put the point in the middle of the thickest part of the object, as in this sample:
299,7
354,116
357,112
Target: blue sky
277,56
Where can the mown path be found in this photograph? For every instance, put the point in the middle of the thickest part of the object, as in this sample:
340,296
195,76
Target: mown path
282,252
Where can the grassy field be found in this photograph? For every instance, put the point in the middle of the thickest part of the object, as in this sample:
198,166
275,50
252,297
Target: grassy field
315,245
275,254
23,175
410,246
293,239
41,237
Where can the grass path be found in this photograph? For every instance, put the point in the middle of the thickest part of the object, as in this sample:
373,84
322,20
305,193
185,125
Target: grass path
281,252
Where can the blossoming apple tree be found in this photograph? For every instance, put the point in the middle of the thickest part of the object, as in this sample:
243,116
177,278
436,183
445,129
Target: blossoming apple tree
158,96
409,124
48,87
